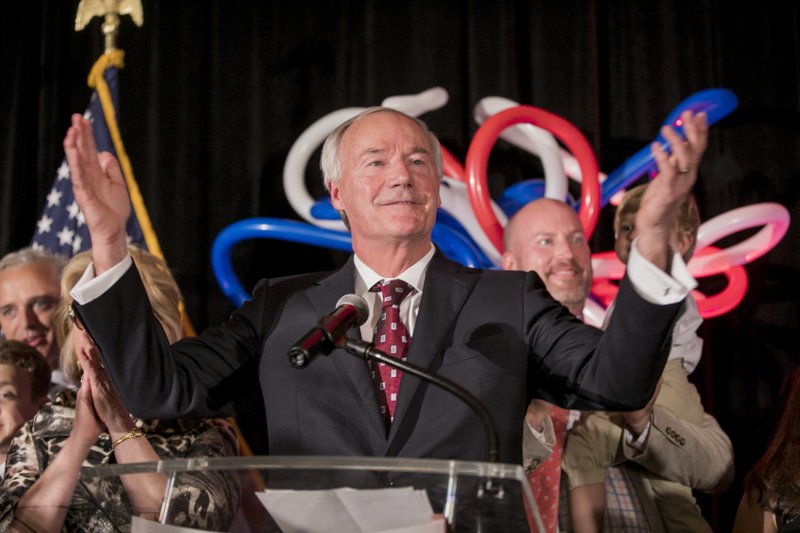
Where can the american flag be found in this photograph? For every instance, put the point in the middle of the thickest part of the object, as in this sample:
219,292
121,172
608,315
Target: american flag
61,228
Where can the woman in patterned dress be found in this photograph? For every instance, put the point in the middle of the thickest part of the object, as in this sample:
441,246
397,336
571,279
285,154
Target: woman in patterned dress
43,489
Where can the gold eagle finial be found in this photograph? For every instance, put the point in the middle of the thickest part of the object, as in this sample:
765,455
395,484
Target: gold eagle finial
110,10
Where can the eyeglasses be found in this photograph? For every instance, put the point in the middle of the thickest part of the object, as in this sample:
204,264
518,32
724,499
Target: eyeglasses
76,319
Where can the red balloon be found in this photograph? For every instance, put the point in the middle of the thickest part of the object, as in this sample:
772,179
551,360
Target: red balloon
452,167
725,300
478,160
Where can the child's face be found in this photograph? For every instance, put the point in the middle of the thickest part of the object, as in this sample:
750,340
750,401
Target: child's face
626,232
16,404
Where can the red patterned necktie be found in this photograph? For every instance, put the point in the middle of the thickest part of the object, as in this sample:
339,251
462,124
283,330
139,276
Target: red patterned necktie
392,338
546,477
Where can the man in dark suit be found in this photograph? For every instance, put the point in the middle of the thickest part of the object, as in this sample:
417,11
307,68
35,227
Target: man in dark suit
498,334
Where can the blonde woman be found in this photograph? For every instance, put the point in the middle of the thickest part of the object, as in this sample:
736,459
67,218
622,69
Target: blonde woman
42,490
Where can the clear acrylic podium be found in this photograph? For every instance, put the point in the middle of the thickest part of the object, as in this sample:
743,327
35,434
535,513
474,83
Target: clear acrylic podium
470,496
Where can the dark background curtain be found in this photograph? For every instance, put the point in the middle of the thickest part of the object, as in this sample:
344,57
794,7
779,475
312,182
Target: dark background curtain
214,94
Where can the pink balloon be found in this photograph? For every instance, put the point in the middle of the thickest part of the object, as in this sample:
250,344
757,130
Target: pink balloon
775,219
718,304
709,260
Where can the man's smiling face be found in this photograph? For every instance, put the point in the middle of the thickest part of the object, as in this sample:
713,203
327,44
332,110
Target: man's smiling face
547,237
388,185
29,294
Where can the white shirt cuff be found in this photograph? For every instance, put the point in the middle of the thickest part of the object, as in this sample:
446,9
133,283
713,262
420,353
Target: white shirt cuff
656,286
544,436
91,287
640,442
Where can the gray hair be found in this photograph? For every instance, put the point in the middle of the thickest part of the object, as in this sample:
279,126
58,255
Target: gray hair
29,255
330,163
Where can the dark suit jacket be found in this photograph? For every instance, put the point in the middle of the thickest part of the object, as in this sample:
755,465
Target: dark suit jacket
498,334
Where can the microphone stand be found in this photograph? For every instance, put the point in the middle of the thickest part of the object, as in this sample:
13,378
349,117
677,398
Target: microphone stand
487,488
367,351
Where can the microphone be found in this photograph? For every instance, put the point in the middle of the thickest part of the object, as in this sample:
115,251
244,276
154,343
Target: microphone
351,310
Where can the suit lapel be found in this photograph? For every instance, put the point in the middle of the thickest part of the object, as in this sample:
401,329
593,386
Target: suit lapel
354,371
447,286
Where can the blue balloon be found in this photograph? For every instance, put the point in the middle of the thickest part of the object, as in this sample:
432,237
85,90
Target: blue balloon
454,243
265,228
522,193
519,195
716,103
323,210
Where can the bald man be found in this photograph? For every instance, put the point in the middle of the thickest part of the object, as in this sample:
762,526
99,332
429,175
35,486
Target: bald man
546,237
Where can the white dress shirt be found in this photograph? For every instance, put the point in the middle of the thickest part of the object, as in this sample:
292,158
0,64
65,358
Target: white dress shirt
366,278
650,282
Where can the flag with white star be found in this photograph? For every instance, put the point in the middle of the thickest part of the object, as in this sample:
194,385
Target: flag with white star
61,228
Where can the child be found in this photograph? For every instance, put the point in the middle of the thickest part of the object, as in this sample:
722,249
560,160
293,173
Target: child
24,380
591,446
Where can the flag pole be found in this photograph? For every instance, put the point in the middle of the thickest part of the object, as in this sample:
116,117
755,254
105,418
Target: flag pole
114,57
111,10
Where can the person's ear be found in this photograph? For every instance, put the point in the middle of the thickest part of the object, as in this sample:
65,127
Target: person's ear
684,242
335,192
508,261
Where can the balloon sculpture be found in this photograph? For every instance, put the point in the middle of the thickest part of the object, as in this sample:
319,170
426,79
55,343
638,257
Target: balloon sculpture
469,224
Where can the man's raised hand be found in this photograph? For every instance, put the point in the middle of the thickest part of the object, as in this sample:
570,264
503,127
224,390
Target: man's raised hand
99,188
677,174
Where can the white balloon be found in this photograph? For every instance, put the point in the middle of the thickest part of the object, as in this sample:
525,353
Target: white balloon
593,313
455,200
418,104
573,169
775,219
294,168
608,268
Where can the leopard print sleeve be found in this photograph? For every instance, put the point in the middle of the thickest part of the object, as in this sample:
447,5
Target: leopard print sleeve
25,463
206,499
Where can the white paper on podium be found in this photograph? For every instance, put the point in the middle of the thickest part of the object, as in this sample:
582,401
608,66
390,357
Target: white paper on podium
142,525
395,510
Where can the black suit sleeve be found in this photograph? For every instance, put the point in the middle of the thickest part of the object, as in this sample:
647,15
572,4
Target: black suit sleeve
194,376
577,366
